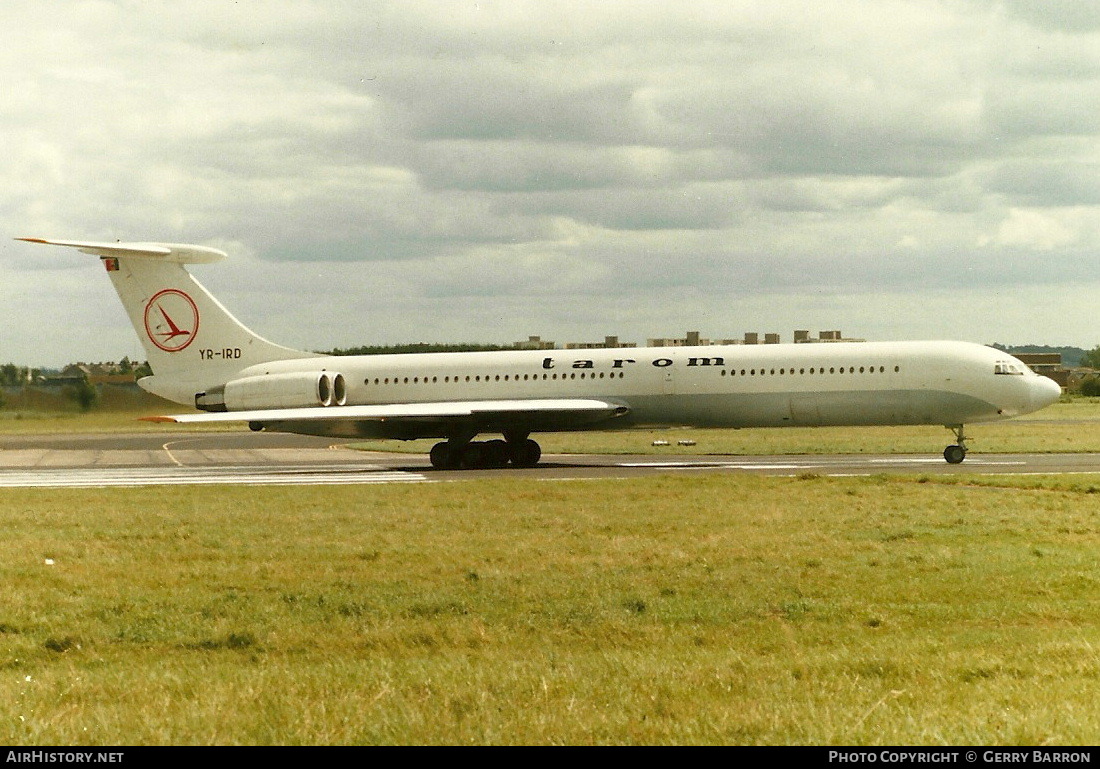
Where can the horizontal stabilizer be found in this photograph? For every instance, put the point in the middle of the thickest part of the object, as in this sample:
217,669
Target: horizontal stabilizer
590,407
179,253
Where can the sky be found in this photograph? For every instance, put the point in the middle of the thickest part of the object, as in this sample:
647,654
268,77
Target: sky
392,172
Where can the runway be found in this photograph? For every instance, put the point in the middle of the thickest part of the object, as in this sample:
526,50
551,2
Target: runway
239,458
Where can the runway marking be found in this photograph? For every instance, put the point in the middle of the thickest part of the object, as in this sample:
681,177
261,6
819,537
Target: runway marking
816,462
304,475
172,456
822,465
937,461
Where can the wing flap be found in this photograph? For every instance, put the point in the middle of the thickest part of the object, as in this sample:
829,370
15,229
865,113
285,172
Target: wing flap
546,407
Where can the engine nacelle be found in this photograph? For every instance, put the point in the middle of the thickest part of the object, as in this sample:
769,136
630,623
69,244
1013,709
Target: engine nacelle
277,391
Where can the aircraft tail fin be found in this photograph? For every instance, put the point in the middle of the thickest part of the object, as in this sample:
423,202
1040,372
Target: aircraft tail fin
192,341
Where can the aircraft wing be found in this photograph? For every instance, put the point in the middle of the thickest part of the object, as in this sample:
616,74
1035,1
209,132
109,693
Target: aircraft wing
424,419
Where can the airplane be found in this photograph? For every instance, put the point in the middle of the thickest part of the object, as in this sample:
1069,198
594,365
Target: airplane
202,356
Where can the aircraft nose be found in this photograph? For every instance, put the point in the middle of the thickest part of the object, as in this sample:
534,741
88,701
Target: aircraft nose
1044,391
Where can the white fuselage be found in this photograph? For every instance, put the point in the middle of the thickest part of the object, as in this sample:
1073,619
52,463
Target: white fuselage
895,383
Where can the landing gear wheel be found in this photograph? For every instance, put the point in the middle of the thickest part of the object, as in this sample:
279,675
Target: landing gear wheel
954,454
525,453
473,456
443,457
496,454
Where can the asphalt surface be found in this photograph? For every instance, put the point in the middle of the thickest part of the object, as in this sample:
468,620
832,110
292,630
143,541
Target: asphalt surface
177,458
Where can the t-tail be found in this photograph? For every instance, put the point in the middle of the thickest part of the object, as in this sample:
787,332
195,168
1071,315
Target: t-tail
192,342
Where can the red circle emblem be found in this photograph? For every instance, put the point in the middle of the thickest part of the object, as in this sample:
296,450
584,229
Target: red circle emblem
171,320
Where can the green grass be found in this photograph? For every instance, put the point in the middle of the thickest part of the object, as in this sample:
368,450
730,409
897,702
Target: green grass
664,610
96,421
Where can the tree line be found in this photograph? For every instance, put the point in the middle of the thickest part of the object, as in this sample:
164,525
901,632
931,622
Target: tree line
12,375
418,347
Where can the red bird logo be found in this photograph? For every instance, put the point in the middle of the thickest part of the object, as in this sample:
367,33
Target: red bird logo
173,330
171,320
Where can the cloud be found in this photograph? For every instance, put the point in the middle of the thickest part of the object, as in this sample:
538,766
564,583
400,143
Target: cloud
483,169
1036,230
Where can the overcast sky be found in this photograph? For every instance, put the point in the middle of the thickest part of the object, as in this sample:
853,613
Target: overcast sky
386,172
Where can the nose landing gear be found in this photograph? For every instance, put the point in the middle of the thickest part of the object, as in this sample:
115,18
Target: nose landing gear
956,453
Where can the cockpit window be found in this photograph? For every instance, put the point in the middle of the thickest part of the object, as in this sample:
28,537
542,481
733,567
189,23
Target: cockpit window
1008,367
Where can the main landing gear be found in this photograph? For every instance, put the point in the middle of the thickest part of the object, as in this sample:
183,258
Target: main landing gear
956,453
462,453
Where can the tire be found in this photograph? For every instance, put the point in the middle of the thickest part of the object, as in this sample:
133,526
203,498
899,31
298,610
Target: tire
526,454
954,454
496,453
473,456
441,457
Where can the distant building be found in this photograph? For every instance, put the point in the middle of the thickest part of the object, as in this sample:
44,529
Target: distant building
94,373
692,339
802,336
1049,364
608,342
1041,362
752,337
534,343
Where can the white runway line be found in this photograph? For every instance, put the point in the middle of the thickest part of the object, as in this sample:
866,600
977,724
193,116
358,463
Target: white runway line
938,461
717,466
182,476
817,464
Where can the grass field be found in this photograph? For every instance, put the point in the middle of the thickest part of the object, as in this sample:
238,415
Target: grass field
709,610
716,609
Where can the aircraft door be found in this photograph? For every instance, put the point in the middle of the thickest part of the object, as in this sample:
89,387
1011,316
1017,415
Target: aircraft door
668,379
